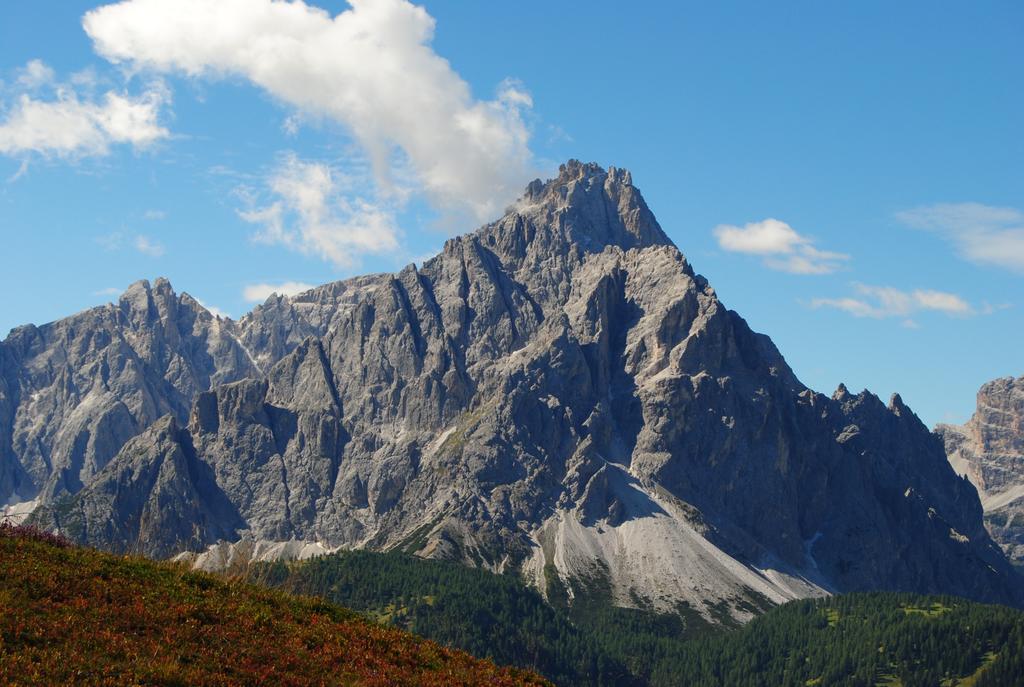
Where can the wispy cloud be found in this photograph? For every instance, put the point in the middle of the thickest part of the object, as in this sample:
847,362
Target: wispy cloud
112,241
213,310
291,125
422,257
992,308
258,293
780,246
148,246
316,211
154,215
21,171
981,233
109,291
68,124
34,74
140,242
370,68
880,302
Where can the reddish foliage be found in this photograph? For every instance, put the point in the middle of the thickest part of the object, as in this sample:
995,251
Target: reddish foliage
75,615
8,529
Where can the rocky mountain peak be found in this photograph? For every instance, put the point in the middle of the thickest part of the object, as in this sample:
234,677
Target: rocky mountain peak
142,302
557,391
899,408
547,235
597,207
573,172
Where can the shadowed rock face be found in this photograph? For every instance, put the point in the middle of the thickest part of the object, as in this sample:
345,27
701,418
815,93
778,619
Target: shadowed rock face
989,450
557,393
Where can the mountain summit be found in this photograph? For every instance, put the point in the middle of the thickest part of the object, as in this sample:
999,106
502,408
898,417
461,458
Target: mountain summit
557,394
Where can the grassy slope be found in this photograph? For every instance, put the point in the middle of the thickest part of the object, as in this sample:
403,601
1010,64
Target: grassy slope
69,614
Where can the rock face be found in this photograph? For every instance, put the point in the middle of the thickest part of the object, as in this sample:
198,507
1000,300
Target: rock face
155,497
989,450
74,391
558,393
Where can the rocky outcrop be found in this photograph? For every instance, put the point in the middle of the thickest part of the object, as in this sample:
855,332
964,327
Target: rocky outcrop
154,498
74,391
989,451
558,393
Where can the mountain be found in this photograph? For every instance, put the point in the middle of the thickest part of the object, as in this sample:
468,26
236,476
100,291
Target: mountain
74,391
989,450
77,616
557,394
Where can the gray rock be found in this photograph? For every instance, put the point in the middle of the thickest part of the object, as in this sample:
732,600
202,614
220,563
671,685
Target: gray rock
989,450
76,390
154,498
557,393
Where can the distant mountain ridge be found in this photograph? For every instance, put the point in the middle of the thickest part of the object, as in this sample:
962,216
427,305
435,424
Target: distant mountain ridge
558,393
989,450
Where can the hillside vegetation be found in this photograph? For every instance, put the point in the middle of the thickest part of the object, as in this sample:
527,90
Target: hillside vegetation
73,615
76,616
495,616
886,639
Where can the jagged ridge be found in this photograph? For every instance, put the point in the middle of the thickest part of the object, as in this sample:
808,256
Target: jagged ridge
557,392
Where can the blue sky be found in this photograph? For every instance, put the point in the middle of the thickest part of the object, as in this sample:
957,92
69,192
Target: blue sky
848,176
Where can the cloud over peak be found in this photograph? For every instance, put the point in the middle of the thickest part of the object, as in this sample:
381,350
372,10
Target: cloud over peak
370,68
314,212
781,247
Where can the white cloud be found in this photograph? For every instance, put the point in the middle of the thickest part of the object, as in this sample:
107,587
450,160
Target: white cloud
992,308
213,310
148,246
109,291
781,247
313,212
22,171
767,237
86,78
35,74
370,68
944,302
154,215
880,302
981,233
424,256
291,125
117,240
68,125
258,293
